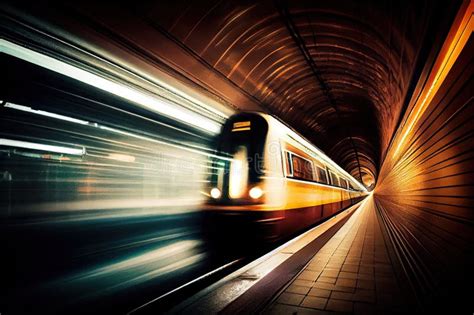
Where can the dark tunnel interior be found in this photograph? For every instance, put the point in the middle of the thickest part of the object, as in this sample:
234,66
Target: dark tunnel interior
339,72
384,88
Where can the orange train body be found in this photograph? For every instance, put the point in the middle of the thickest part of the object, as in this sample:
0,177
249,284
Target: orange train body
271,182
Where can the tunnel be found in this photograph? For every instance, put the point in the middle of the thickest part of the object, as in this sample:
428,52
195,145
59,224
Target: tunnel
122,127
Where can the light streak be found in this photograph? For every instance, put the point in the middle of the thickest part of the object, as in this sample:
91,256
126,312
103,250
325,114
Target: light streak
42,147
45,113
454,44
125,133
110,129
186,285
148,101
121,157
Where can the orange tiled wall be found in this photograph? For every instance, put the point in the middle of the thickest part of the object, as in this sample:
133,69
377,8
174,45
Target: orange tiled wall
425,192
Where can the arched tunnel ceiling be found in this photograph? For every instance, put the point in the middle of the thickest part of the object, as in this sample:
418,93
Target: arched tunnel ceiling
339,72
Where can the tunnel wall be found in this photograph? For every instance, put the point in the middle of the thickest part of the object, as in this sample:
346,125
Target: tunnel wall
425,190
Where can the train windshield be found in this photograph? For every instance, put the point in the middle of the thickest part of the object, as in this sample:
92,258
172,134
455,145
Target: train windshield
242,139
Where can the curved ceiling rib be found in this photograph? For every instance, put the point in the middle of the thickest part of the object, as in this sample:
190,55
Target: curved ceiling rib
326,89
363,57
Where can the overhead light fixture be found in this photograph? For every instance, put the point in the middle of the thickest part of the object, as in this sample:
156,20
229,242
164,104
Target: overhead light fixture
148,101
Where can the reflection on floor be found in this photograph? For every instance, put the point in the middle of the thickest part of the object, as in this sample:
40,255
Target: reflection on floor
351,273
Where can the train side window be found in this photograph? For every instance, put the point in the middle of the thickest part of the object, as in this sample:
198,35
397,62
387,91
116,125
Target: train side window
334,179
322,175
343,183
302,168
288,166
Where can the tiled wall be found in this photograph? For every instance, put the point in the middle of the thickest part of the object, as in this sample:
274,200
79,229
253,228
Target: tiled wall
425,191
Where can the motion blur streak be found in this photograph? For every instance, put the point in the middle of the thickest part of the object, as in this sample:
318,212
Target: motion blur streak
41,147
425,190
117,156
141,268
182,147
124,158
44,113
452,48
101,194
150,102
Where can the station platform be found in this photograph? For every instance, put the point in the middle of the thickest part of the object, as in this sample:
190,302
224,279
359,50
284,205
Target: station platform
341,265
352,273
357,262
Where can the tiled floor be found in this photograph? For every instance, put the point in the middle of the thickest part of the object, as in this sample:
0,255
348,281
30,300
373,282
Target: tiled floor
352,273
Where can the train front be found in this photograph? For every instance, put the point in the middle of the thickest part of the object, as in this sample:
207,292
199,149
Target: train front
242,184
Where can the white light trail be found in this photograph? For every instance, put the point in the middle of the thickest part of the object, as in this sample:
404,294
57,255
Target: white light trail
125,133
117,131
147,101
41,147
45,113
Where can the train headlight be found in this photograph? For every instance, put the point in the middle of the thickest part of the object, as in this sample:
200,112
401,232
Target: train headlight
255,192
215,193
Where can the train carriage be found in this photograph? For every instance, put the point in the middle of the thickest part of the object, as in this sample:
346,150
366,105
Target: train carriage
272,182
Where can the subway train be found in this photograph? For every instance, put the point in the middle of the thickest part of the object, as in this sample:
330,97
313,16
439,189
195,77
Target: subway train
271,182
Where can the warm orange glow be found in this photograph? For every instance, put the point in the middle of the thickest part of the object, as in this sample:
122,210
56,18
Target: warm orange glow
454,44
422,138
367,179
